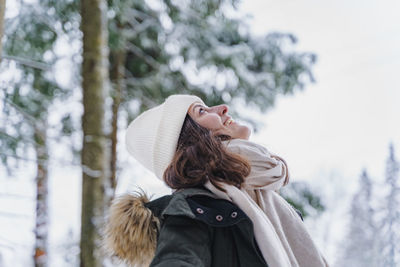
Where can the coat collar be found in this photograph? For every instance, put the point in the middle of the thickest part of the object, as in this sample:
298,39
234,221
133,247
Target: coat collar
176,203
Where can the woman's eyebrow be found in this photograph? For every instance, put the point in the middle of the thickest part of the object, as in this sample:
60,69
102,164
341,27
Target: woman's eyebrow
195,106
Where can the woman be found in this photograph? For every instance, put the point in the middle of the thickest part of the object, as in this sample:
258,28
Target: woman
225,210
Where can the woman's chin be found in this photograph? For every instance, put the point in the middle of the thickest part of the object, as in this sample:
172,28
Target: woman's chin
241,132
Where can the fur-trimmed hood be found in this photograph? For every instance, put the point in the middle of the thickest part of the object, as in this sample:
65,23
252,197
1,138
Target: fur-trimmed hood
132,229
134,222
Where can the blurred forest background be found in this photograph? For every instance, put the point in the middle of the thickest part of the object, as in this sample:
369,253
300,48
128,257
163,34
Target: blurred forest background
73,74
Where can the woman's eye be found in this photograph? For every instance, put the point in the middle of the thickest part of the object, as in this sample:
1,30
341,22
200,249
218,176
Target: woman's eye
201,110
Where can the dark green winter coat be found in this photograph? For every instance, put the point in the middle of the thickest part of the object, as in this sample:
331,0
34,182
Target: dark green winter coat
188,228
199,230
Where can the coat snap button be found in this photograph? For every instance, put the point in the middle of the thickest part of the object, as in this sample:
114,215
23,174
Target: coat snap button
234,214
200,211
219,218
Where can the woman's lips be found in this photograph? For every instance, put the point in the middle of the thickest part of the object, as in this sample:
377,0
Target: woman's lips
229,122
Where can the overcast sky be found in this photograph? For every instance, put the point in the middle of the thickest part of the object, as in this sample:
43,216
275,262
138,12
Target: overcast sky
345,121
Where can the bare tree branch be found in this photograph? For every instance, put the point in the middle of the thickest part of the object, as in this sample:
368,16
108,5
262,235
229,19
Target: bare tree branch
23,112
6,135
138,52
23,158
56,161
28,62
139,27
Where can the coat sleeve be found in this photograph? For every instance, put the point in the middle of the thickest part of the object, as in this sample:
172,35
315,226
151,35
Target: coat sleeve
183,242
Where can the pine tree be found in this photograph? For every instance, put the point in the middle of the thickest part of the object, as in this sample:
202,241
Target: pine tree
27,102
360,244
389,228
28,99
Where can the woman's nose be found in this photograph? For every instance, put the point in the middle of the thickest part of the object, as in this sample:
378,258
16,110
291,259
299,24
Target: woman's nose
221,109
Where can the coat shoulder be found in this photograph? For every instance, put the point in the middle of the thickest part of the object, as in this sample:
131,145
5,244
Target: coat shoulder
134,223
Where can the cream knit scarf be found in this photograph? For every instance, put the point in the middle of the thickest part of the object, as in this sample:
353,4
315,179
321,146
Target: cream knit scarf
280,234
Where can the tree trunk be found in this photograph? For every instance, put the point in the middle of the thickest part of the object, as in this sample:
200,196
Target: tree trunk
41,226
2,11
117,60
95,155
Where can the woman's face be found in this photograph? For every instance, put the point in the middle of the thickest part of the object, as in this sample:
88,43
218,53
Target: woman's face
217,120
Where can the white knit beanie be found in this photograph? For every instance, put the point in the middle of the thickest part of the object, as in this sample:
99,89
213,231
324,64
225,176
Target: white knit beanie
153,136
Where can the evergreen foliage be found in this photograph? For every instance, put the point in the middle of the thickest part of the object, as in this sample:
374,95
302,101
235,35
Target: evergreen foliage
31,90
194,47
389,223
28,99
31,37
360,244
302,198
373,232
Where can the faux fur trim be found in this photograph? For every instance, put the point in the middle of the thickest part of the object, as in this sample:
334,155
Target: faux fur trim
131,232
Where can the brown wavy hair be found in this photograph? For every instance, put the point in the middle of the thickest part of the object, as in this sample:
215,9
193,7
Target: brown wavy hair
201,156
